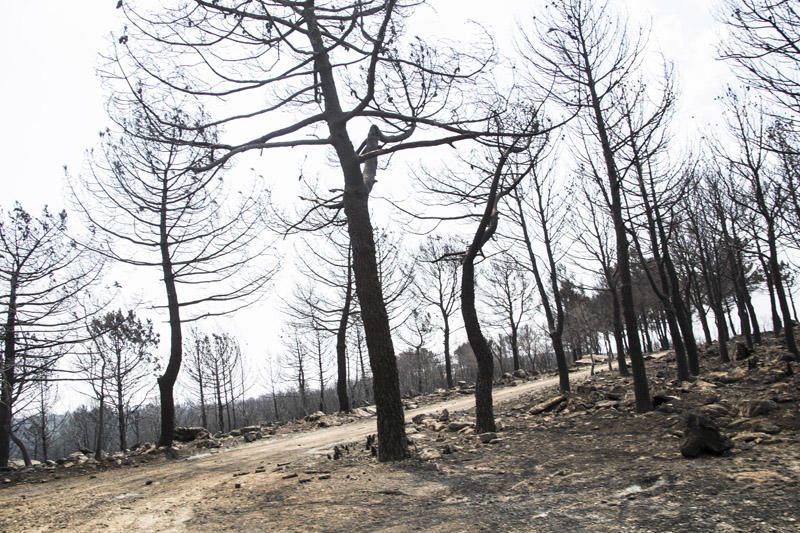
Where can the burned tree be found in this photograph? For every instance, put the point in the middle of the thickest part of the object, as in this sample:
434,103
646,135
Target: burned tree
338,67
158,212
583,55
437,284
44,274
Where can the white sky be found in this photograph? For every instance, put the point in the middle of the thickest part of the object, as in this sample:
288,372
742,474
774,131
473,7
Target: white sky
52,108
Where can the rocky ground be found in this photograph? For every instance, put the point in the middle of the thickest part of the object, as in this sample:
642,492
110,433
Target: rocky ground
580,462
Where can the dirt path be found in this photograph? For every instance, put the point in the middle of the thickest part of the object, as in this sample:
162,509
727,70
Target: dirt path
162,497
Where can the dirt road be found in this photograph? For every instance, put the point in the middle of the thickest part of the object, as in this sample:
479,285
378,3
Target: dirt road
163,496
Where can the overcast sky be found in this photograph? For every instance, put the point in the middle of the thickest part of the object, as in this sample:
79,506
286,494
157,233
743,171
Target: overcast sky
52,107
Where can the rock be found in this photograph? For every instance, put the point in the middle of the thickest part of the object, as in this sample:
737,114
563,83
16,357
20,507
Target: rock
251,436
417,419
702,435
737,374
209,443
188,434
487,437
433,425
660,398
763,426
714,410
741,352
313,417
751,408
429,454
752,436
520,373
457,426
607,404
547,405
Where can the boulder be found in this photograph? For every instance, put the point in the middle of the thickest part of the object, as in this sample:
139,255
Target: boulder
702,436
188,434
251,436
313,417
751,408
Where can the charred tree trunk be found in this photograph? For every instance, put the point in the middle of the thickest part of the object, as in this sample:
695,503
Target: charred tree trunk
448,363
555,322
341,340
166,382
386,383
9,375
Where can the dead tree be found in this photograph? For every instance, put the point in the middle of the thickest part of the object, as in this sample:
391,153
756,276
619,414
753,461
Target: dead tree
508,297
583,55
337,67
540,199
157,212
436,283
122,364
44,275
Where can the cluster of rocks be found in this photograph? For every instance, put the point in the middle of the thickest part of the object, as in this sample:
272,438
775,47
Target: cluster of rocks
435,434
732,406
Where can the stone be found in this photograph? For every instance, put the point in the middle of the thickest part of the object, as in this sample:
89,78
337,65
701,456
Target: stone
547,405
433,425
429,454
751,408
607,404
762,426
457,426
417,419
660,398
188,434
487,437
251,436
714,410
702,435
751,436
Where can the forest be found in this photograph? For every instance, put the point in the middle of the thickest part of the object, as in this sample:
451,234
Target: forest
413,213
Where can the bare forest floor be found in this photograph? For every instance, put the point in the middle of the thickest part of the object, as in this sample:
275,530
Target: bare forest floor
586,463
